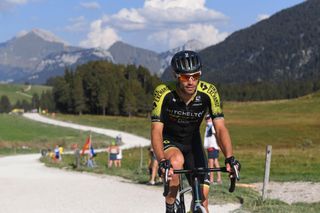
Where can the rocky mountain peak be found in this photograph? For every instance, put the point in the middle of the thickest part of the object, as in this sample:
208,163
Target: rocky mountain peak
42,34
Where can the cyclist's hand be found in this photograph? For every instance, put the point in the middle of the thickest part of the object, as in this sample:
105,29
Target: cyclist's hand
165,170
233,167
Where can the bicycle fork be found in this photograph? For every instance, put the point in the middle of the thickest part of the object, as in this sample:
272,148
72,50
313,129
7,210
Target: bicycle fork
196,192
180,203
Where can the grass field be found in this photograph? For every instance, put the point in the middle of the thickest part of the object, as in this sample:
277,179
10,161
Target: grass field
21,92
21,135
290,126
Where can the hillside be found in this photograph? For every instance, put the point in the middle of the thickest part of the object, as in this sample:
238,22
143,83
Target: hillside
283,47
280,54
21,92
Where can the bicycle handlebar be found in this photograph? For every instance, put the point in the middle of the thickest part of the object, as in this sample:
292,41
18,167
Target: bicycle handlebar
234,176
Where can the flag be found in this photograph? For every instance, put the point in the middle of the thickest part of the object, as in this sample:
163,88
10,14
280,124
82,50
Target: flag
87,145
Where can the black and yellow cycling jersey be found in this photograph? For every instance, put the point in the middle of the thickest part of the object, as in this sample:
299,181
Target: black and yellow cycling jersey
181,121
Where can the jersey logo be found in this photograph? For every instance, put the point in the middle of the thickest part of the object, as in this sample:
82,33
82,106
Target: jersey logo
166,142
203,86
154,105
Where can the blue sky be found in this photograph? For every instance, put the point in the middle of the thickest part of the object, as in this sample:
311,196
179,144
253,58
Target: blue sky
157,25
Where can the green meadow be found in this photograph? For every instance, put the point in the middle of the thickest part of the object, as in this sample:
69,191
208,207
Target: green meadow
290,126
21,92
21,135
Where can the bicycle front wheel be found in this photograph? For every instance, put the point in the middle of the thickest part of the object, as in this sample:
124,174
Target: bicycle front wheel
200,209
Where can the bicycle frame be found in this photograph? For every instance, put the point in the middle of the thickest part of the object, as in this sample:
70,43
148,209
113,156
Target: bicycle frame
196,192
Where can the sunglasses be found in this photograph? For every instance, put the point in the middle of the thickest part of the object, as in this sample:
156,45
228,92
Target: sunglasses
186,77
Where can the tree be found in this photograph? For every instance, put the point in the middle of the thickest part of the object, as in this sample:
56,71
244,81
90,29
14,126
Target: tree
5,105
46,101
60,94
35,102
79,99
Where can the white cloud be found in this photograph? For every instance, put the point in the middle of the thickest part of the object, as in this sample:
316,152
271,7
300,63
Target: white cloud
100,36
90,5
168,22
127,19
166,4
261,17
207,34
179,11
163,12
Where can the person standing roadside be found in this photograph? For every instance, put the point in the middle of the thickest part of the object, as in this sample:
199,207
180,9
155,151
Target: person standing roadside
119,158
153,167
61,150
113,151
56,153
210,143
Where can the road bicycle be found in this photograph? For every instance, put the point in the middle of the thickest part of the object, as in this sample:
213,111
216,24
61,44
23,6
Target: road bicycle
195,188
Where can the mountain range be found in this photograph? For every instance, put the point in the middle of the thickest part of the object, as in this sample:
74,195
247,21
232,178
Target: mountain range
284,47
38,55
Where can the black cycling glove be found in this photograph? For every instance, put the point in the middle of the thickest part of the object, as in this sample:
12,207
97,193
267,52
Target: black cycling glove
235,166
163,165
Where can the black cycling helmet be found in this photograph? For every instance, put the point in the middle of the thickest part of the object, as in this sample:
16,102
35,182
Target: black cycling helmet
186,62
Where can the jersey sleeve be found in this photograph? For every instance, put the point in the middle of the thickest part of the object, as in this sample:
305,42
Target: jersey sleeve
158,99
215,104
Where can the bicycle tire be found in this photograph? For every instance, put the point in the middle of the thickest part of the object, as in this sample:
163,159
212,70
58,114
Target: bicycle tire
200,209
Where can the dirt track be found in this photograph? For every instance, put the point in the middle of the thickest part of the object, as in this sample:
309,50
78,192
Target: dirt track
27,186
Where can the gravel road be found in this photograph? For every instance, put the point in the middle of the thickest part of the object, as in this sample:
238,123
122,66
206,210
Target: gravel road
27,186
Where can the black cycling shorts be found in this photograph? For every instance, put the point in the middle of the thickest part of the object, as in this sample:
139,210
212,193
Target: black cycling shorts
194,156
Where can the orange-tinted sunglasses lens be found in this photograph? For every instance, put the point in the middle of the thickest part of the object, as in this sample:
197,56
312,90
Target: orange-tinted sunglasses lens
194,77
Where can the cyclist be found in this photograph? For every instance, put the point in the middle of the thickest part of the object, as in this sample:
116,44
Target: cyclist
178,110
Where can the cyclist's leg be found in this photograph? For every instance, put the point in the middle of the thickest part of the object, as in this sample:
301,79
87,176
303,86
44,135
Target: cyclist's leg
177,160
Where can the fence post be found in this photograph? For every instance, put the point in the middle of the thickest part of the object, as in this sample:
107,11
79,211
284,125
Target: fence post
77,156
266,171
141,157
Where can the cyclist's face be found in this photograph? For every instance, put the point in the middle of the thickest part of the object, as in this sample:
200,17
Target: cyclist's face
188,83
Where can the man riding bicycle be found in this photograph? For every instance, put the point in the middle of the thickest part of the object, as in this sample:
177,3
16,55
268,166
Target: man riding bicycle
178,110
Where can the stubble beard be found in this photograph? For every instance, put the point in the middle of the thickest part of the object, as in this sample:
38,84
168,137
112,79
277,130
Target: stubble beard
187,91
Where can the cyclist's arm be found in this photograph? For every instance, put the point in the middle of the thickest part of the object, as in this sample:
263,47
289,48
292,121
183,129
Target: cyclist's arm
223,137
157,139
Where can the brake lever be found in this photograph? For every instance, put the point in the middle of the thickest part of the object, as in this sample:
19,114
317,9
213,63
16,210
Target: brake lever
166,183
235,176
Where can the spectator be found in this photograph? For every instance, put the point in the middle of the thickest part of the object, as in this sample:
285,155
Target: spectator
56,153
113,151
210,143
60,152
90,163
119,155
119,158
51,155
118,139
153,167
